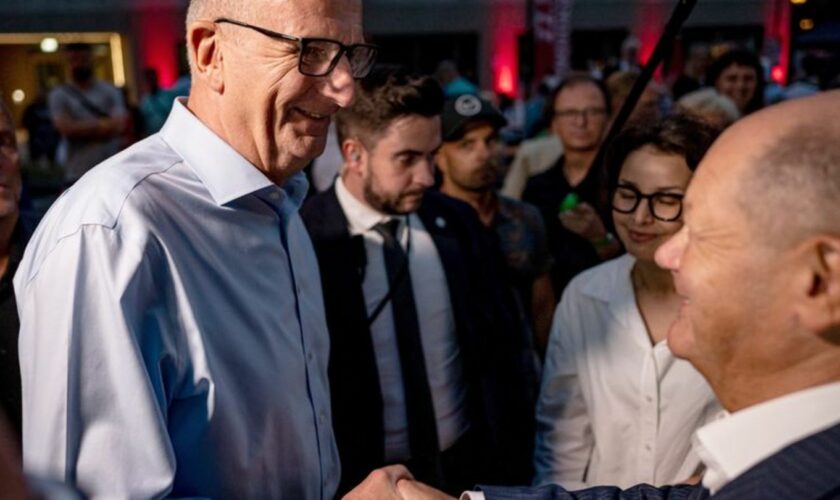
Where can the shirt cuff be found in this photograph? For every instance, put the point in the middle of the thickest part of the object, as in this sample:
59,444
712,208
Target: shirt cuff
472,495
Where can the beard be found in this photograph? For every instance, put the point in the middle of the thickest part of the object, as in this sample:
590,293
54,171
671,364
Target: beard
401,203
478,181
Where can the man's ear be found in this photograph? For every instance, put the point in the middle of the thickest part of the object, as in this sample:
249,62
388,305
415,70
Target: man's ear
818,286
205,52
355,156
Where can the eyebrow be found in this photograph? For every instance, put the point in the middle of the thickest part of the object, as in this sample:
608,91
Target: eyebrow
663,188
414,152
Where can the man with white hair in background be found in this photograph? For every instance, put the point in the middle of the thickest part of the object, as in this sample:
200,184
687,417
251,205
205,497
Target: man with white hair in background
173,336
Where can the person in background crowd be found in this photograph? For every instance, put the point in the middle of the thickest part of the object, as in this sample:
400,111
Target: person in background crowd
43,137
541,149
716,109
427,357
757,263
628,56
648,107
578,237
89,114
173,341
535,112
533,157
807,80
155,103
468,162
691,78
15,230
738,74
453,83
615,406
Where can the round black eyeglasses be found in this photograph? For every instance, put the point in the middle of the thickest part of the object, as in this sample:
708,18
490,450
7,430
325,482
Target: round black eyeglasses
664,206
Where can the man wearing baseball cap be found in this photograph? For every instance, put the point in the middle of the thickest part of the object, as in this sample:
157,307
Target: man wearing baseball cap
467,160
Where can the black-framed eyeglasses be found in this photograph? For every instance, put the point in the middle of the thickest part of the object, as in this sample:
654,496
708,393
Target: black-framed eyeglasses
587,113
319,56
662,205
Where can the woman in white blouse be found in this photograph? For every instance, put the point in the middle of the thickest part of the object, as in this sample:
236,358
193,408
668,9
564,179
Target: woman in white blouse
616,407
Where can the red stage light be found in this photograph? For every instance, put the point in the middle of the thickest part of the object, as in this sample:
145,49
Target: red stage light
505,81
777,74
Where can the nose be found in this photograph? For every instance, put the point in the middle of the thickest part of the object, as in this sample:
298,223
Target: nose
643,214
669,254
485,152
340,84
581,118
425,173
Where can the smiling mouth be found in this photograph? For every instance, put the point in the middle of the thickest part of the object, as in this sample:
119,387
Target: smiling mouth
312,115
642,236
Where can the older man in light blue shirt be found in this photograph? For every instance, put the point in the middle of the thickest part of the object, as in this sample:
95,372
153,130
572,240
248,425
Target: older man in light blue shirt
173,340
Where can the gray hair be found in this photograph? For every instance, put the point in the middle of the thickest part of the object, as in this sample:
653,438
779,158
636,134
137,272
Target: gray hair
708,100
796,180
208,10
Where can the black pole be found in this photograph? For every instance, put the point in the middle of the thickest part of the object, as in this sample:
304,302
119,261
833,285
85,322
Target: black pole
663,46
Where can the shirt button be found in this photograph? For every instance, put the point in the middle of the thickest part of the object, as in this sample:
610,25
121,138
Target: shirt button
649,399
275,195
322,418
310,357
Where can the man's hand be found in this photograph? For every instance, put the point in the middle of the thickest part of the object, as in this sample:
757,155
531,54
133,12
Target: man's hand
584,221
415,490
381,484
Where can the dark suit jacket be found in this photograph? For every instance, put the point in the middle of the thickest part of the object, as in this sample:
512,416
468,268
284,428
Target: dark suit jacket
500,392
806,470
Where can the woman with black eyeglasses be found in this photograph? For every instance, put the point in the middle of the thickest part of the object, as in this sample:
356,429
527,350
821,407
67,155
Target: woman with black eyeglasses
616,407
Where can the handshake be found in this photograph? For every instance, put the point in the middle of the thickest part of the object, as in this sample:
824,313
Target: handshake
394,482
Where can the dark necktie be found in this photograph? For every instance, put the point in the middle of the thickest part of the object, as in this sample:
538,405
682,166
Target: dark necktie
422,427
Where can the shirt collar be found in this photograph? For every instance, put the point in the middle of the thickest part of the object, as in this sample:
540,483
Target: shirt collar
736,443
614,287
226,174
361,216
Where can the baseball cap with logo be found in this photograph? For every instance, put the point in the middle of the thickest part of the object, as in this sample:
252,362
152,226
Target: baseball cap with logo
464,110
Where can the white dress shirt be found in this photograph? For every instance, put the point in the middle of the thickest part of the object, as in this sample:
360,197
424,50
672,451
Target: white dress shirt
437,327
173,340
732,445
613,408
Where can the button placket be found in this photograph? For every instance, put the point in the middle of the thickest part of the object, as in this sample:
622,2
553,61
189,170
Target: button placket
648,384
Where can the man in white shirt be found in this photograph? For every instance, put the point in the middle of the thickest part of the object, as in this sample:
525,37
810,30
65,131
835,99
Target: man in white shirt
89,114
758,264
173,341
426,353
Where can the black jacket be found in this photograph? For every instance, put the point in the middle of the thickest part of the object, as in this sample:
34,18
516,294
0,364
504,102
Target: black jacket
496,362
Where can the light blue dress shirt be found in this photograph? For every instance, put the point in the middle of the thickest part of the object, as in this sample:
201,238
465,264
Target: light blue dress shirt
173,340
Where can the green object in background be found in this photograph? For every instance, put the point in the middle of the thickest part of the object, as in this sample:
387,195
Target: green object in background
569,202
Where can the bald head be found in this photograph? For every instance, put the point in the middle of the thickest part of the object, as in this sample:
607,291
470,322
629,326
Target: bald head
787,162
200,10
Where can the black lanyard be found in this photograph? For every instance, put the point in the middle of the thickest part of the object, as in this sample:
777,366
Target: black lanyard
398,279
